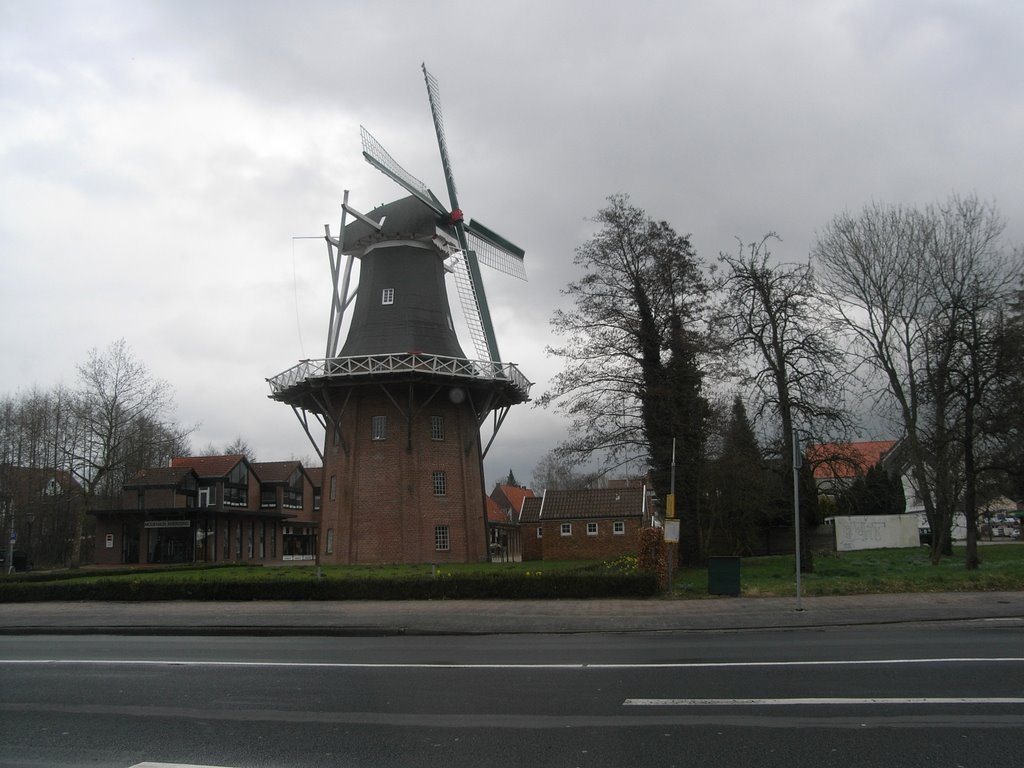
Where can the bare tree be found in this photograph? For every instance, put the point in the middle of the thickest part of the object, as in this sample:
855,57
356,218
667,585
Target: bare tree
121,425
555,473
237,447
632,381
905,284
772,318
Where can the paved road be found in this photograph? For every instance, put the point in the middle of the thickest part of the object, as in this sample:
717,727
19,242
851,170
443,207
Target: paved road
496,616
908,694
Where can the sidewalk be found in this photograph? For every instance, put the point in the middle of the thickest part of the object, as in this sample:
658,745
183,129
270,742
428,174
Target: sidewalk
500,616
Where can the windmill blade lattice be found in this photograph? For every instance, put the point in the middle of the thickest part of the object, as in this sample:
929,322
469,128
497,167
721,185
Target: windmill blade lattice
380,159
495,251
470,305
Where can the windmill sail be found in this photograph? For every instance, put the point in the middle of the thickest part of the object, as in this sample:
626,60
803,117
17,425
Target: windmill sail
495,251
470,305
380,159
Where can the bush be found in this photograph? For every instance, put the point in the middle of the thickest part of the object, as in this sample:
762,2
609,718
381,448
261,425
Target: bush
528,585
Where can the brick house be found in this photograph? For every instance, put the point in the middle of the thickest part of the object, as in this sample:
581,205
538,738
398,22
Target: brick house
591,524
293,492
503,507
209,509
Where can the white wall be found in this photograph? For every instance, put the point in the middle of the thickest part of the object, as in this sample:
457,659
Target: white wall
876,532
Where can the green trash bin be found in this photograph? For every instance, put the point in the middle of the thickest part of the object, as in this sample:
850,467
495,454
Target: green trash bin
724,576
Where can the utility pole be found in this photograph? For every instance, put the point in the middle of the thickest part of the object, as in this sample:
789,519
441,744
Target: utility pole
798,462
11,538
671,523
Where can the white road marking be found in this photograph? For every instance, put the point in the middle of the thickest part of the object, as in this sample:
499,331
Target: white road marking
817,701
174,765
575,666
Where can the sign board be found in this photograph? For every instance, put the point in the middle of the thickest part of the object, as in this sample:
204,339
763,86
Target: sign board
671,531
14,537
168,523
876,532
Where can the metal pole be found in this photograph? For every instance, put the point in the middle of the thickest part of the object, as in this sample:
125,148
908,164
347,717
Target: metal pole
672,492
797,462
10,539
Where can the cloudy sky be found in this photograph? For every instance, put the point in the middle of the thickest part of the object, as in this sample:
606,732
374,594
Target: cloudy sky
158,159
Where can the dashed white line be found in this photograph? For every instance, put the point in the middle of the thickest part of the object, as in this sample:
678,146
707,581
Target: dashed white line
832,701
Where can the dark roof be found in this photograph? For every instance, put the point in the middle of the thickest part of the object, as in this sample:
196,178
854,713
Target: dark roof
25,480
154,477
209,466
584,504
276,471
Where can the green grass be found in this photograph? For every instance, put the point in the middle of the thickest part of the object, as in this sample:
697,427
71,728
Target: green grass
870,571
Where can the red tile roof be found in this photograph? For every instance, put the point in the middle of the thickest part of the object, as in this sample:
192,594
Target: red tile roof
846,460
514,494
495,514
209,466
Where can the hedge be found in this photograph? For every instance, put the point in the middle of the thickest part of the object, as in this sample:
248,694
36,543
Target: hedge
453,587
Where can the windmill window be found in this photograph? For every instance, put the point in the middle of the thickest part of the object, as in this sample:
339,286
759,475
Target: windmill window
591,529
442,540
379,427
440,483
618,528
437,427
566,529
540,531
387,296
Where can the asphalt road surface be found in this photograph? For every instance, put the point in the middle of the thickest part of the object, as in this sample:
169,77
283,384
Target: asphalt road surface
905,695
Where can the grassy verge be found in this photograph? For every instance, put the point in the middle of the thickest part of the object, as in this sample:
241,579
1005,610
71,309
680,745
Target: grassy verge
871,571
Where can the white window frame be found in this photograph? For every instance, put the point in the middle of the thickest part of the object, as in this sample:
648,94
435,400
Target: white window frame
540,531
619,528
378,427
591,529
442,538
387,296
439,481
565,529
437,427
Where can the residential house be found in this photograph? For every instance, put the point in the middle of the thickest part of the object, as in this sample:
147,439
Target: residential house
837,465
39,506
591,524
290,490
503,507
207,509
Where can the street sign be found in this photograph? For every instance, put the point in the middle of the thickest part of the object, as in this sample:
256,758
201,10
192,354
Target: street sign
671,531
14,537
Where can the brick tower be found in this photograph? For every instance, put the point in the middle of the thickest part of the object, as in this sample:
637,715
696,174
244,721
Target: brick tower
400,403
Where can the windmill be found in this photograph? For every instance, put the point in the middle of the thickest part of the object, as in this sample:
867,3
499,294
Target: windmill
402,360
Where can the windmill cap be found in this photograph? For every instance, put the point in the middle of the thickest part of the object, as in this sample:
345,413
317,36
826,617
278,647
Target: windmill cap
404,219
